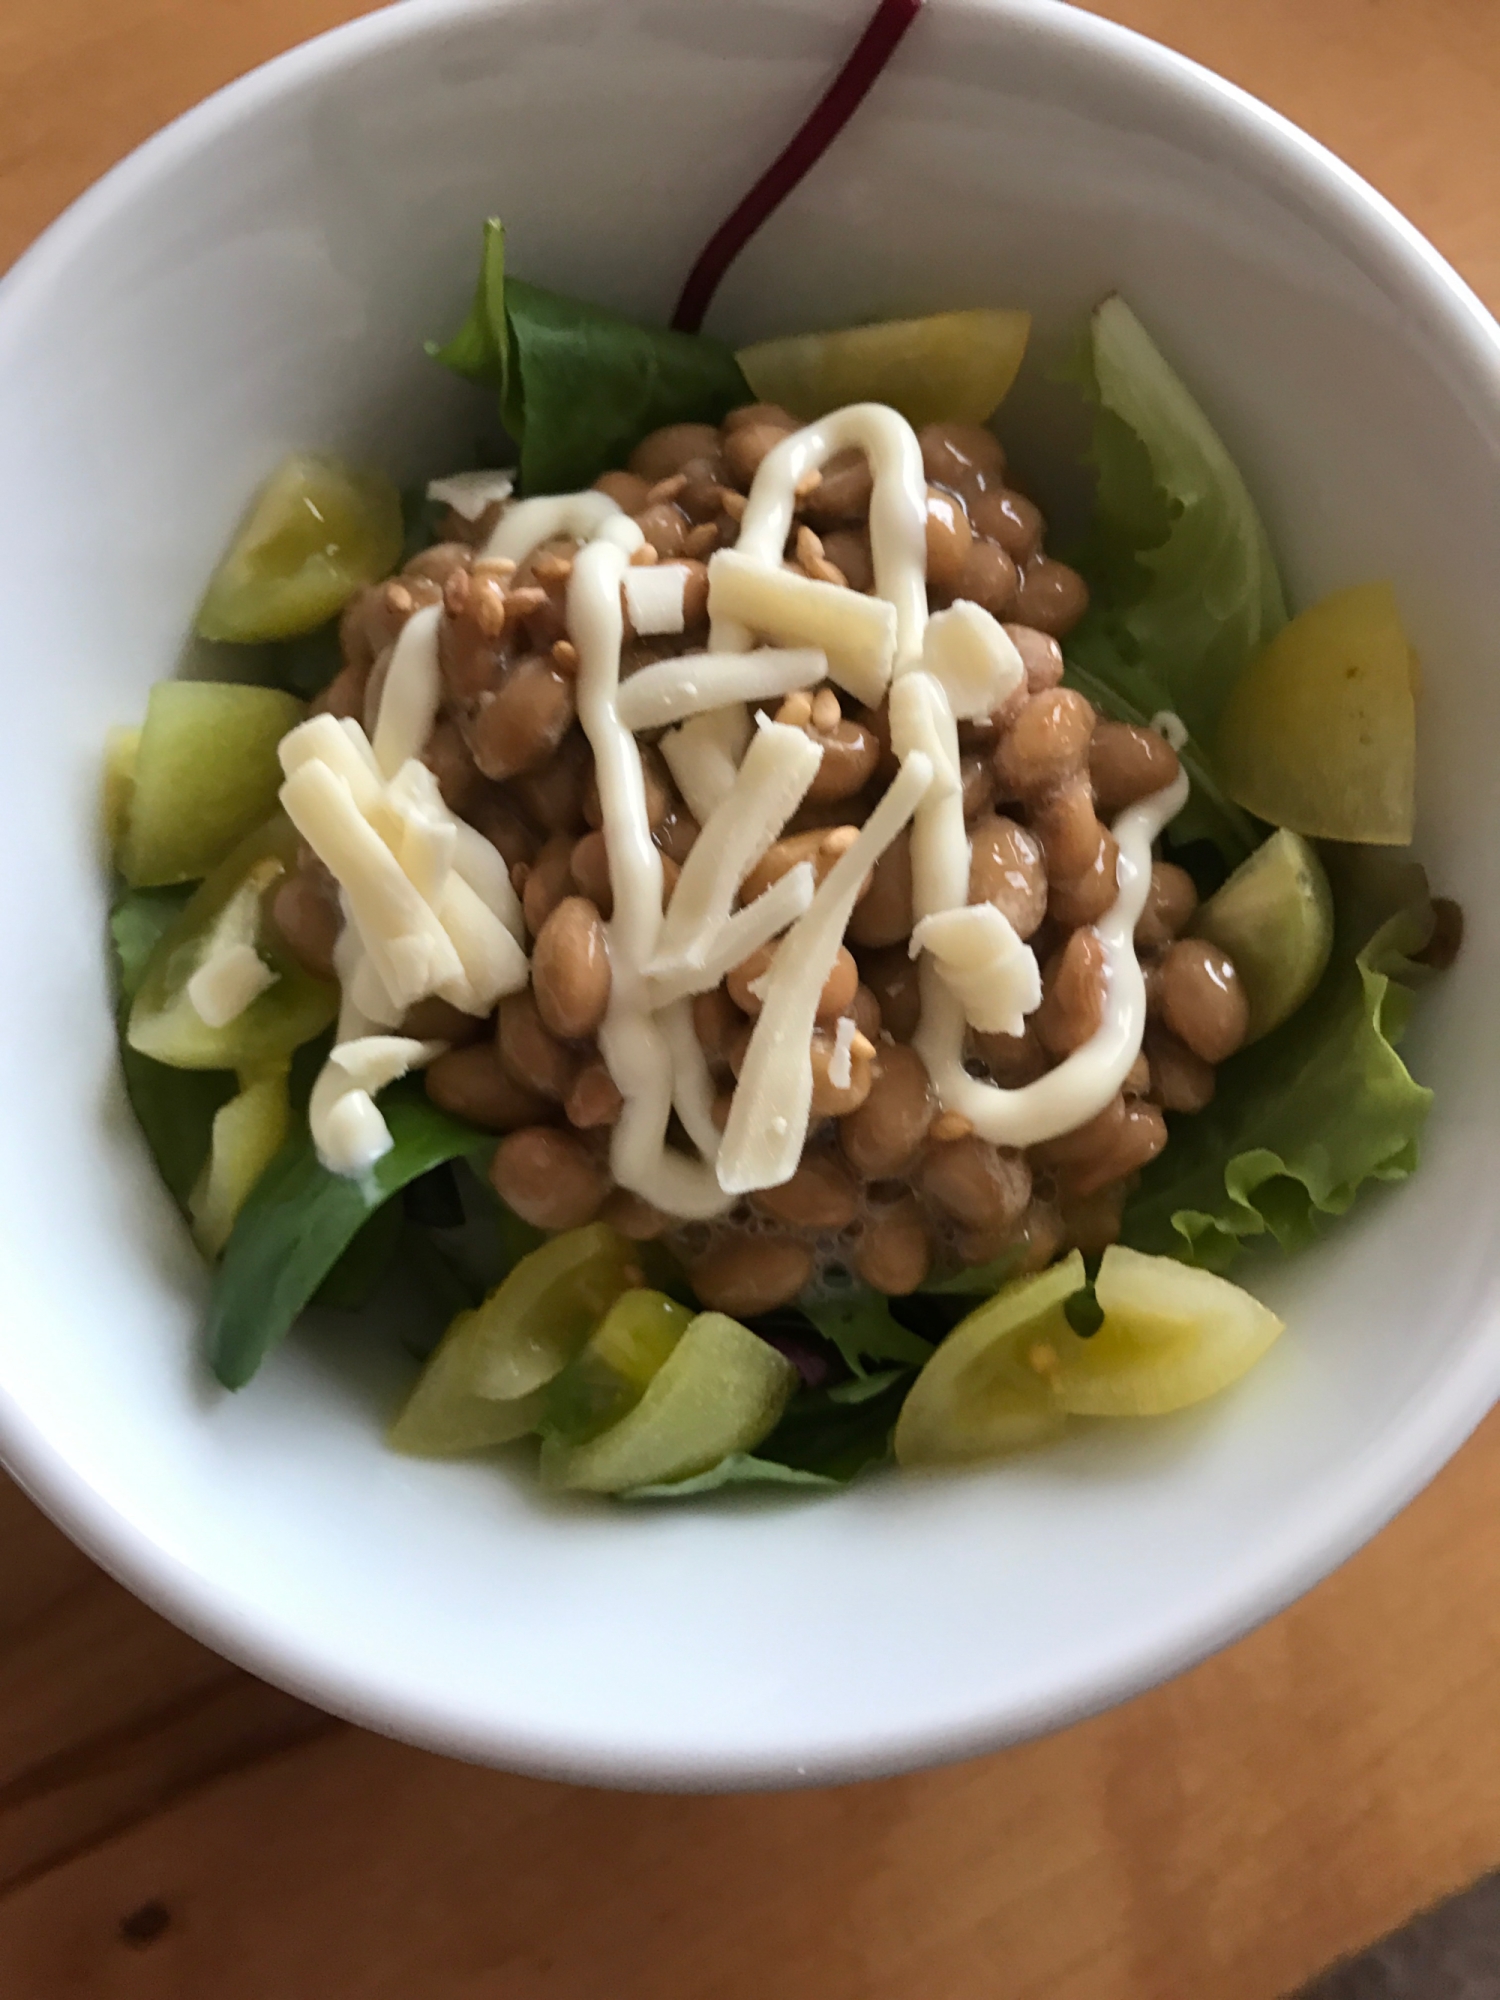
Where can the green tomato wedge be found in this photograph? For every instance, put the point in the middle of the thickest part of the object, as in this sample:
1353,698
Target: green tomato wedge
1319,733
981,1394
955,367
617,1365
484,1380
229,909
1274,916
248,1132
1171,1336
315,532
205,773
121,747
720,1390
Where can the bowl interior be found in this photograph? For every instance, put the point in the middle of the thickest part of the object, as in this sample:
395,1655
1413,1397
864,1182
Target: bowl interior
263,276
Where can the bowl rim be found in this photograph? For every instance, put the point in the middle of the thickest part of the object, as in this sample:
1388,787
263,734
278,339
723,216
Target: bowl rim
1369,1492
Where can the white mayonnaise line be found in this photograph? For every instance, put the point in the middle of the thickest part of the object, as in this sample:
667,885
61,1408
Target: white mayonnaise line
583,516
692,1086
413,688
857,633
697,681
768,1117
634,1046
1084,1082
787,899
898,509
771,783
704,755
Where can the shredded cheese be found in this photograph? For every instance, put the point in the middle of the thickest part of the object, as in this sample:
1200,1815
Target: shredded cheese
898,511
672,689
227,982
732,942
347,1129
841,1062
768,788
469,494
972,658
704,755
655,597
857,633
768,1118
990,972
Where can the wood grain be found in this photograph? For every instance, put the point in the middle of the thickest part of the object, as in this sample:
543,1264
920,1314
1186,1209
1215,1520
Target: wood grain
1223,1836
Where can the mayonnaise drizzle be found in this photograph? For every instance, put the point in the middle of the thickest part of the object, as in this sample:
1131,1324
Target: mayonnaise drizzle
647,1038
655,1062
898,510
924,731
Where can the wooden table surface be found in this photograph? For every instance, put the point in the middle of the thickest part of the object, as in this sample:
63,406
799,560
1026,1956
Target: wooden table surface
171,1827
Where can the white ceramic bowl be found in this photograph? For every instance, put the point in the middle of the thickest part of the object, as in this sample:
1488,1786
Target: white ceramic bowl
262,275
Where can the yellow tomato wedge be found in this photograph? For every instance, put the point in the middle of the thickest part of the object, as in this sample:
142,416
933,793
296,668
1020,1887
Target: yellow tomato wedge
1274,916
721,1389
955,367
1171,1336
121,747
248,1132
982,1393
203,774
484,1383
315,532
618,1363
1319,732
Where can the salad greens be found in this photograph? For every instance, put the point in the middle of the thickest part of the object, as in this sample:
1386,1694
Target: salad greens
1184,595
579,386
1183,584
1301,1120
299,1221
1184,592
174,1107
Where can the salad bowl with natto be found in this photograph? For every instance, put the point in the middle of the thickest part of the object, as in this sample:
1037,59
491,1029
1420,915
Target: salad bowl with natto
775,957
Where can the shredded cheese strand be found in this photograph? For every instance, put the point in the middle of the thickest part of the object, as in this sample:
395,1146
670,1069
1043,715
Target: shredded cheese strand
768,1118
771,783
694,682
787,899
704,756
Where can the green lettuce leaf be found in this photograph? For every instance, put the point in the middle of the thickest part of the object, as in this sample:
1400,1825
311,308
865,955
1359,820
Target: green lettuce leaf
580,386
299,1221
1301,1121
862,1327
1184,581
839,1431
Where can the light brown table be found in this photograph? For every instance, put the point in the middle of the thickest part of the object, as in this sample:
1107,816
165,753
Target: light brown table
170,1827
